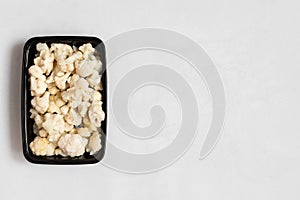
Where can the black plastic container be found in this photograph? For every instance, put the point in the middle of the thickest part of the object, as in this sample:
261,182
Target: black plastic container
28,136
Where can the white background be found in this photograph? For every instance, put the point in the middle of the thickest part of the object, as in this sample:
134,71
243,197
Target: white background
255,45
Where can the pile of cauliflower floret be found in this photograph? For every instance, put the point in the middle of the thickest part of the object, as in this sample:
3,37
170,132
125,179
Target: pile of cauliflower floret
65,84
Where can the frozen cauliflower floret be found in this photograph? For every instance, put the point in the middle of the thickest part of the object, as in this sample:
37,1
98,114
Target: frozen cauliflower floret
41,104
60,81
96,114
83,108
71,145
84,132
45,58
94,79
73,117
96,97
35,71
73,96
54,124
38,85
39,120
42,147
87,50
94,144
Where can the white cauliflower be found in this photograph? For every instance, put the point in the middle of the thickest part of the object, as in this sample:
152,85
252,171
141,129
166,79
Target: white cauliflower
41,104
55,125
45,58
87,50
38,85
94,79
96,97
35,71
94,144
72,145
96,114
42,147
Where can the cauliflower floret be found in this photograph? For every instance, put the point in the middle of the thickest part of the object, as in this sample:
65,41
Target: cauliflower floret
83,108
87,50
73,96
38,85
55,125
60,81
41,104
45,59
73,117
84,132
39,120
96,114
94,79
35,71
61,50
42,147
71,144
96,97
94,144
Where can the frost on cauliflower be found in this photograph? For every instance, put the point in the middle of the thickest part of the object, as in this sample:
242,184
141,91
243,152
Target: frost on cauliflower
65,84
